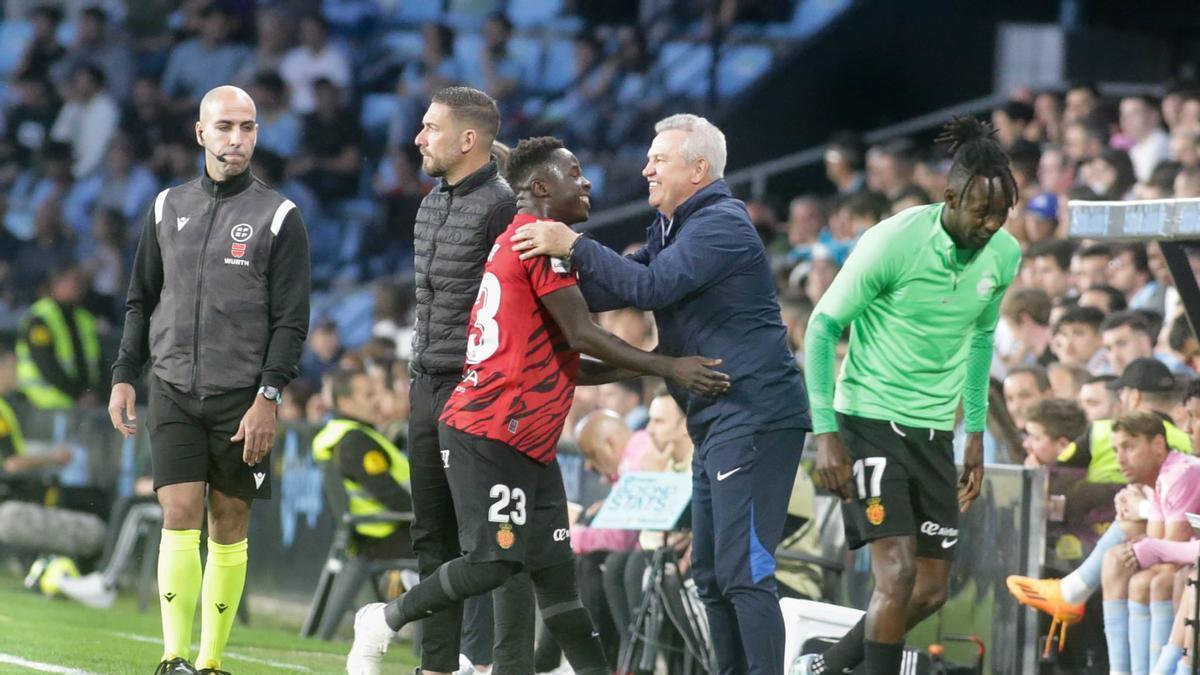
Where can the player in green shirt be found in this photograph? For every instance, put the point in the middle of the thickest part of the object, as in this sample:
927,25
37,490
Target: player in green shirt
921,294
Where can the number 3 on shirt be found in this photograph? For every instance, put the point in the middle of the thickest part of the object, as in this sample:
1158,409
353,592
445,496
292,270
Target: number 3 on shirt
483,339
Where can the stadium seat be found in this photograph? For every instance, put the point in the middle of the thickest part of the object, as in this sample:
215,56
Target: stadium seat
527,52
809,17
377,111
466,52
404,45
558,68
740,66
685,67
344,572
14,35
415,12
528,14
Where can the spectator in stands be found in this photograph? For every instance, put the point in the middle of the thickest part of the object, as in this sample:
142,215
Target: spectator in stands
1161,184
806,221
1083,141
844,163
104,48
88,120
1104,298
58,349
13,457
889,167
637,88
625,399
631,325
120,183
1141,125
204,62
1089,267
909,197
315,58
1024,385
796,309
1048,263
1187,183
1077,340
52,248
331,149
1185,148
1111,175
1181,343
499,70
1051,425
1027,313
43,50
1127,337
150,124
1047,118
1055,172
1097,400
822,269
322,351
1066,380
1129,273
278,126
374,471
580,108
274,33
1082,99
27,124
106,263
1010,121
1041,217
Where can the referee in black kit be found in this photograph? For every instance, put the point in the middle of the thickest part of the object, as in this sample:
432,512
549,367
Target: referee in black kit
218,303
456,227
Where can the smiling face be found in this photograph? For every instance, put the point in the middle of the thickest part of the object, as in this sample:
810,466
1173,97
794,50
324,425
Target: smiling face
672,179
566,191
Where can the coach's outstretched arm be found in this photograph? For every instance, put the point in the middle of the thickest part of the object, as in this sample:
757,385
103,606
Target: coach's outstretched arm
570,312
145,288
869,271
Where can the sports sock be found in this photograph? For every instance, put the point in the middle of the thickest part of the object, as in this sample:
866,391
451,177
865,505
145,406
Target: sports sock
453,581
572,627
1139,638
178,589
1162,618
1116,634
1167,660
844,655
224,578
1079,585
882,658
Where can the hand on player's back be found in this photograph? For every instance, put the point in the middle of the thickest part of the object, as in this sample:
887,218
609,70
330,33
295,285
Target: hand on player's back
693,373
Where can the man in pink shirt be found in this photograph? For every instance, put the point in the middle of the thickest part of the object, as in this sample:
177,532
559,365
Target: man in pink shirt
610,449
1138,589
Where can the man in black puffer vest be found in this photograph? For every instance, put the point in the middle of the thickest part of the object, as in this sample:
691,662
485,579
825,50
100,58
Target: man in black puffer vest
457,224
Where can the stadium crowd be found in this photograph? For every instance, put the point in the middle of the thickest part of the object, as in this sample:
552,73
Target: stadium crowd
94,126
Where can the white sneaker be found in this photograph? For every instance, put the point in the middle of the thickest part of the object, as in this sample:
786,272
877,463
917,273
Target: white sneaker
371,639
803,665
89,590
465,667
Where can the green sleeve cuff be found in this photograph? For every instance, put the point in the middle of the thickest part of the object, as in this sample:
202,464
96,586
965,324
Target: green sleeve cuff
820,366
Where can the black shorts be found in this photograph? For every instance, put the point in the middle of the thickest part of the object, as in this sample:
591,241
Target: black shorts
509,507
189,441
905,482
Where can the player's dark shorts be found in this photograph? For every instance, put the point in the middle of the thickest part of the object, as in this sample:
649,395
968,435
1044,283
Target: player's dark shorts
906,485
509,506
189,441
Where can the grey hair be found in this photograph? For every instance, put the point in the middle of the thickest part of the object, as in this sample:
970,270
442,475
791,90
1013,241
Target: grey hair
703,139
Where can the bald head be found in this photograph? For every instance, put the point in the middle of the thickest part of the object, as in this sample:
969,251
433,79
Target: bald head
227,130
602,439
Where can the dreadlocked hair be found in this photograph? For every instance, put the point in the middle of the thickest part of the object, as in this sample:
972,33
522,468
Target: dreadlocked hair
977,154
529,155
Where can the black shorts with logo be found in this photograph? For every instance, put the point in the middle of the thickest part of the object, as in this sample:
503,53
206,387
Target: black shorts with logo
509,507
905,483
189,441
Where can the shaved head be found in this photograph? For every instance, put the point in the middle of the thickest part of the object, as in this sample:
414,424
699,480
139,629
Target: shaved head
227,130
602,438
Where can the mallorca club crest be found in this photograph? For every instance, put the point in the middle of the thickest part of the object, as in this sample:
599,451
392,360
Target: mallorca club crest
875,512
505,538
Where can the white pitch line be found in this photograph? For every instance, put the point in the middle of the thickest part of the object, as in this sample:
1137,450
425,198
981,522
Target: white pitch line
41,667
233,655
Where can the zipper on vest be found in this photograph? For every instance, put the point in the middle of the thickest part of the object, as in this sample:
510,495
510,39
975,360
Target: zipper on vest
200,292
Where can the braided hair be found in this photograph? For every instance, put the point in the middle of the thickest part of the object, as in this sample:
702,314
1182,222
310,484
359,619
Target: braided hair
977,154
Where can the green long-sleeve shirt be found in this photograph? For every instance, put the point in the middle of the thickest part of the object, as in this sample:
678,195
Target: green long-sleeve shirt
922,315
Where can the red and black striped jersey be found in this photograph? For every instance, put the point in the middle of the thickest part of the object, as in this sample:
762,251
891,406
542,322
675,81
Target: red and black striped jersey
519,377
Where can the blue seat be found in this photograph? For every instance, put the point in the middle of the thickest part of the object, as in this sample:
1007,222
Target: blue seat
377,111
558,67
685,68
529,14
740,66
403,44
418,11
14,35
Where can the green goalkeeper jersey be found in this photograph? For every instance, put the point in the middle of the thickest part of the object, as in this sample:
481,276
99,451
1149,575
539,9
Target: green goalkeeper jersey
922,314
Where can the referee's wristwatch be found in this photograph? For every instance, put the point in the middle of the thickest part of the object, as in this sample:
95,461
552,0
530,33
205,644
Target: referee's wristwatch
270,393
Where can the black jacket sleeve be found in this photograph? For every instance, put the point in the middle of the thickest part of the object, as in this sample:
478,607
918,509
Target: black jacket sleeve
288,285
41,349
365,463
499,220
145,288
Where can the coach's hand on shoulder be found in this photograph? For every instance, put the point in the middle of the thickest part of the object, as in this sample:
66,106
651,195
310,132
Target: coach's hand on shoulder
694,374
833,466
121,409
544,237
257,430
971,481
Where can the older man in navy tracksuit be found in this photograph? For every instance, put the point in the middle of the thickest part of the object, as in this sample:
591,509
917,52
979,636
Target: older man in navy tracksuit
705,275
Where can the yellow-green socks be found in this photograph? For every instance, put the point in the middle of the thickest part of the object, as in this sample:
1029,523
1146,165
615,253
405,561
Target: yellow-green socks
178,589
224,578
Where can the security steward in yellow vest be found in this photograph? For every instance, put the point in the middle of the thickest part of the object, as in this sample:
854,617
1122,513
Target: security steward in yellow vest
58,351
15,463
374,471
1147,384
